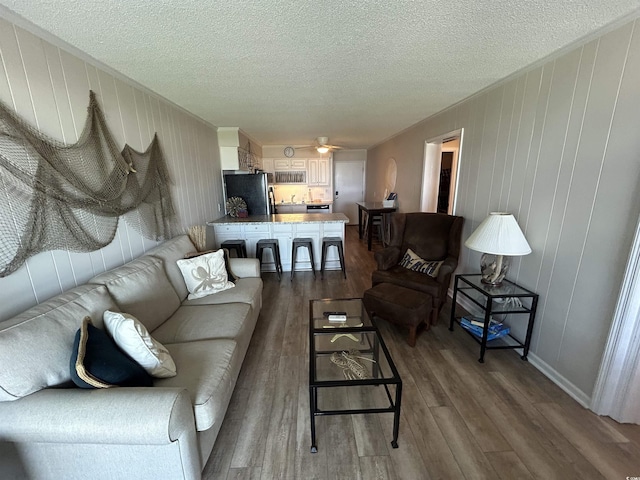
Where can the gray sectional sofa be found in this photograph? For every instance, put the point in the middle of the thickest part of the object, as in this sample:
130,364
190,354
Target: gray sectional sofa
50,429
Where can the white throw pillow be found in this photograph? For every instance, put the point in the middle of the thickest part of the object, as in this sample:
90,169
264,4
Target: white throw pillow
205,274
412,261
133,338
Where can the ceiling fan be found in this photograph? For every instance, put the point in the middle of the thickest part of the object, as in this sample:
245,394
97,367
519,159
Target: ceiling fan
321,145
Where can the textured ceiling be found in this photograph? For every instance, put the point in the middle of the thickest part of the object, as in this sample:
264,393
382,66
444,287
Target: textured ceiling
288,71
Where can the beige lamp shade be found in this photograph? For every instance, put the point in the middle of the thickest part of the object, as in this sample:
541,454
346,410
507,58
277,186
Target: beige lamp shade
498,237
499,234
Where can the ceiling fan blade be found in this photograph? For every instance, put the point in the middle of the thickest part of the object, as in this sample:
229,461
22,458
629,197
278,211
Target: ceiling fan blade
324,143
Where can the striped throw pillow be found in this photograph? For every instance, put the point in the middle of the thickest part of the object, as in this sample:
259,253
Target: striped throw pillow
413,262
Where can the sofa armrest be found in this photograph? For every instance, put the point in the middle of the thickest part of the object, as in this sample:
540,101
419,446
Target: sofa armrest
245,267
133,416
387,257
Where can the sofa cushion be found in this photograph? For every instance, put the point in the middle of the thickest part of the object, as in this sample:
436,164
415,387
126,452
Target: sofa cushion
133,339
208,369
244,267
141,288
170,252
38,342
247,290
202,322
97,362
205,274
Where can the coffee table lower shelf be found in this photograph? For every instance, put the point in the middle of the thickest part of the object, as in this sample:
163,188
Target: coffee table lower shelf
394,407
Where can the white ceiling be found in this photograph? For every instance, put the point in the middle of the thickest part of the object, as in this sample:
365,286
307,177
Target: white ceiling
286,72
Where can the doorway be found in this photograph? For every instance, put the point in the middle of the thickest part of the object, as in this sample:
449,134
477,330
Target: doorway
440,173
348,187
444,187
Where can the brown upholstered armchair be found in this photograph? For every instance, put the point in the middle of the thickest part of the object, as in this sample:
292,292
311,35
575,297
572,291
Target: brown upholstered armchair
432,236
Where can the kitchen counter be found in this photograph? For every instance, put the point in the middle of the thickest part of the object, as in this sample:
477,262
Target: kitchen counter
323,202
284,218
285,227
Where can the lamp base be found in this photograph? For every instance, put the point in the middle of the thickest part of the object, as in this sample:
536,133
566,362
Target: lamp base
493,268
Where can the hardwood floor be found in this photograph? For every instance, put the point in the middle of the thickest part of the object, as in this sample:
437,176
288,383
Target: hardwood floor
460,419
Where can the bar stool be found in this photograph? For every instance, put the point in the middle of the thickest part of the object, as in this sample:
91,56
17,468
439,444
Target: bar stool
302,242
375,223
336,242
271,243
240,246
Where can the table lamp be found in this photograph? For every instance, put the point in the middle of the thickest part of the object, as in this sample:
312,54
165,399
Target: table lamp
498,237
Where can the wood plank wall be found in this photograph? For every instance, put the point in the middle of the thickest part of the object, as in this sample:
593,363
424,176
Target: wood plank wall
49,88
557,146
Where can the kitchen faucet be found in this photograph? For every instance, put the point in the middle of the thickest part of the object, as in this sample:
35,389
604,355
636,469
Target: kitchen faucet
292,197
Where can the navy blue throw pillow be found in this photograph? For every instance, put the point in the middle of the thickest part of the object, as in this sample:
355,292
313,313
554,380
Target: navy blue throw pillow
97,362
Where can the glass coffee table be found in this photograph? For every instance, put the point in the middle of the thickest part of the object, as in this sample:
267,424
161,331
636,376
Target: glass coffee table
347,350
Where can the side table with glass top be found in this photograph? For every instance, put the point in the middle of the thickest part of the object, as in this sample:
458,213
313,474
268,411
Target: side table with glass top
505,299
349,352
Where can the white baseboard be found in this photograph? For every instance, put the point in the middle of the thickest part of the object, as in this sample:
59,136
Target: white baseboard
553,375
546,369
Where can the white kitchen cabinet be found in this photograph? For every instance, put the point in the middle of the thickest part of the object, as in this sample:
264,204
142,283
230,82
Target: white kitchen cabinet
286,164
227,232
290,170
267,165
251,232
319,171
298,163
332,261
254,232
303,259
284,234
228,143
281,164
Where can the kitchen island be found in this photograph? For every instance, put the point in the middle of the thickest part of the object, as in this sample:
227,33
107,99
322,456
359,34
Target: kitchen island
284,227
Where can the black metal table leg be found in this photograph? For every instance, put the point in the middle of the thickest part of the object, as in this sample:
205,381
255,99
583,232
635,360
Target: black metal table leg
396,416
312,409
485,330
527,341
453,304
376,357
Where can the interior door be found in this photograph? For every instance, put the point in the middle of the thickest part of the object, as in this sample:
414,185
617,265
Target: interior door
348,188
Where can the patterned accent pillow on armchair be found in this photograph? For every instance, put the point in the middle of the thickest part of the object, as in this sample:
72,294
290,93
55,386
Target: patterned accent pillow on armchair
417,264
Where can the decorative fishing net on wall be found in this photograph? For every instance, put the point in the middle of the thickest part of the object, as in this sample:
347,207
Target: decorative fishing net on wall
70,197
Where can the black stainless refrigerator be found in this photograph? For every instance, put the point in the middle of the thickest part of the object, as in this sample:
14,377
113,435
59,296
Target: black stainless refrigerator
252,188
